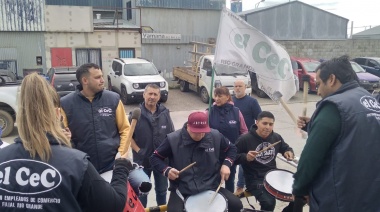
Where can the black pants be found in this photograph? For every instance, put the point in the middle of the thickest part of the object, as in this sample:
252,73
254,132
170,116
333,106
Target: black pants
176,204
266,200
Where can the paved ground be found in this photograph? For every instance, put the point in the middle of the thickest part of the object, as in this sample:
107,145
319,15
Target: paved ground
182,104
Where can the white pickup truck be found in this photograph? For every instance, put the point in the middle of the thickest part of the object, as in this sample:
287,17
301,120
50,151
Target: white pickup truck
8,105
198,77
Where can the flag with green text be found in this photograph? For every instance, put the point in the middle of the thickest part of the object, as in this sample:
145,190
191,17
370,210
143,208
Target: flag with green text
239,45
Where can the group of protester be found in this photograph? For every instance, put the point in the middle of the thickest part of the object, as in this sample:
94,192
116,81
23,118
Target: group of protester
63,163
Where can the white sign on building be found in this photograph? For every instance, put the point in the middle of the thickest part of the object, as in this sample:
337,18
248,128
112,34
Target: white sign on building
161,36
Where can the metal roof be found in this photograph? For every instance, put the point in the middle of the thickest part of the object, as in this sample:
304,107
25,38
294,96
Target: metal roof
247,12
373,31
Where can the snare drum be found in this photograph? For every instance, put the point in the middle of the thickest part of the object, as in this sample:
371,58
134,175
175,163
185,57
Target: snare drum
138,179
201,202
279,184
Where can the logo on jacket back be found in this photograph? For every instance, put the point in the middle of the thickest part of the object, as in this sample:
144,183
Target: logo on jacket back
105,111
370,103
24,176
232,122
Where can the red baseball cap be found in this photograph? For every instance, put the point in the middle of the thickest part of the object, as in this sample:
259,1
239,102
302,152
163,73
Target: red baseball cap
198,122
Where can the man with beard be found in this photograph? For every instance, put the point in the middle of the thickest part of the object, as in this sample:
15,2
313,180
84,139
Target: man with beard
151,130
96,118
256,165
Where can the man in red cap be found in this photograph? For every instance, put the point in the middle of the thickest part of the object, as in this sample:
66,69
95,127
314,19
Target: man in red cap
213,153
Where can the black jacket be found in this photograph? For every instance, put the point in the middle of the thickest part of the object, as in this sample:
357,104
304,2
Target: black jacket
210,153
67,182
264,162
93,125
150,132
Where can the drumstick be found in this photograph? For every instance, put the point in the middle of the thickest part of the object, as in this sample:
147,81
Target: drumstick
187,167
135,116
270,146
217,190
305,79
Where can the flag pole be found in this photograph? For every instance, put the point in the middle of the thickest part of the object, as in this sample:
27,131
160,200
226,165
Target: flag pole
211,91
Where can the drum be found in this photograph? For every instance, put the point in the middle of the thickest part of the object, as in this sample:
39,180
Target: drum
279,183
138,179
201,202
133,203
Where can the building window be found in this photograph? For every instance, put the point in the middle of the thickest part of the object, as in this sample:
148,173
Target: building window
129,10
84,56
126,53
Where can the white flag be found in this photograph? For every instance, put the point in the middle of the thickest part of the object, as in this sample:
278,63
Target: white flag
240,45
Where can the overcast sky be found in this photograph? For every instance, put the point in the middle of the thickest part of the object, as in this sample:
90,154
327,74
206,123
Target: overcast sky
364,13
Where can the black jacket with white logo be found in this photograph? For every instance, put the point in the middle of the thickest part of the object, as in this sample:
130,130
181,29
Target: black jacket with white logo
67,182
93,125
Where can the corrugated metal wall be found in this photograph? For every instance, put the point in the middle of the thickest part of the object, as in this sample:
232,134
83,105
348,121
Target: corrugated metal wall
94,3
298,21
23,47
193,25
25,15
183,4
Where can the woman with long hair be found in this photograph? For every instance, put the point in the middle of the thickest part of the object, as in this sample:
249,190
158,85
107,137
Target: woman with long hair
41,171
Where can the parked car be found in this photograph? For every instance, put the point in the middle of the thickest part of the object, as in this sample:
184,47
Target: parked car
370,64
306,66
8,105
368,81
129,76
63,79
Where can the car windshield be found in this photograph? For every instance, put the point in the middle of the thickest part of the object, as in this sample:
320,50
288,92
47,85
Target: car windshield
311,66
138,69
357,68
223,70
378,60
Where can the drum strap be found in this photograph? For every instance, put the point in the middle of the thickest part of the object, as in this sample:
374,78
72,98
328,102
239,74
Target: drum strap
250,204
180,195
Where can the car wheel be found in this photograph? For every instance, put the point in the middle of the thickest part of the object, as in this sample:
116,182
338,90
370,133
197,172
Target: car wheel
124,96
204,95
164,99
183,86
255,87
109,85
6,123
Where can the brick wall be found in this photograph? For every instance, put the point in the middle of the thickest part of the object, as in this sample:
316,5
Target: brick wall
328,49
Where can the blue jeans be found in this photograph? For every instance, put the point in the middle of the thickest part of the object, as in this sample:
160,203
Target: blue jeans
160,186
230,183
241,181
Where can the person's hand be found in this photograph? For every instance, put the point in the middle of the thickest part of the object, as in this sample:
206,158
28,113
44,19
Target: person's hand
67,133
225,172
173,174
302,121
251,155
289,155
122,161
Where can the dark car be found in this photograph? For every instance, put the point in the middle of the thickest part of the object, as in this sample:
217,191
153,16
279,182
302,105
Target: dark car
368,81
370,64
63,79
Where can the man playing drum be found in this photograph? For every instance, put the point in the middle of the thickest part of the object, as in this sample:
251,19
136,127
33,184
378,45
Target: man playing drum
213,154
255,164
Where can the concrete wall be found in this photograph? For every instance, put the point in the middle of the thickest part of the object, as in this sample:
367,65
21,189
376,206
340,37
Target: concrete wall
327,49
109,41
68,19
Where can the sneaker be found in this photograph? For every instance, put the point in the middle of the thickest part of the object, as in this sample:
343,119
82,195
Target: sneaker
239,191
